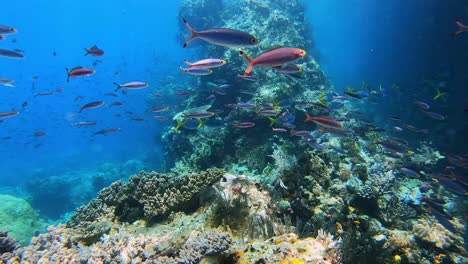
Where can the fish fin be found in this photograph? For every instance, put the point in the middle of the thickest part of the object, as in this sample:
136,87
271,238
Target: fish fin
68,74
272,120
461,28
87,51
249,60
200,123
271,48
118,87
193,32
308,117
188,63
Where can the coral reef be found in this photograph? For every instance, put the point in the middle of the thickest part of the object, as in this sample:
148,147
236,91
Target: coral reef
288,248
19,219
58,246
7,243
147,195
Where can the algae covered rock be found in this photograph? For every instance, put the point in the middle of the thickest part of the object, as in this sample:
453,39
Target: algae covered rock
19,219
145,196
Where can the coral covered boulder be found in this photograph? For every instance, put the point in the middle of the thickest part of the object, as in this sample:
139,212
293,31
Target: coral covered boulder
19,219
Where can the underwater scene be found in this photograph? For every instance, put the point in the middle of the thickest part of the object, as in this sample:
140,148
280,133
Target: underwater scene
234,131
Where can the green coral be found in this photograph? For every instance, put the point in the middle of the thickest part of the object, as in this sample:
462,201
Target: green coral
19,219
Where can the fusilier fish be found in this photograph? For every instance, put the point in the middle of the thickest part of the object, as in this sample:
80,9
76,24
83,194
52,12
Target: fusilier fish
92,105
5,30
206,64
131,86
8,114
222,37
11,54
196,71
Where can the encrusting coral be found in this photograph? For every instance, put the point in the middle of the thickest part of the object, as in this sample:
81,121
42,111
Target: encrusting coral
147,195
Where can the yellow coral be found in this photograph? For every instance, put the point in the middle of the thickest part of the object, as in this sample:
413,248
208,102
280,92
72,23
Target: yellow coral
292,261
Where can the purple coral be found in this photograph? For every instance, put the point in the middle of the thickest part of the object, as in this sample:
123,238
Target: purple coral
7,243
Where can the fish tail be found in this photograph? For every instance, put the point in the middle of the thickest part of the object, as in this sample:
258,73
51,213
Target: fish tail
68,74
249,60
461,28
308,118
200,123
193,32
272,121
87,52
118,87
182,69
188,63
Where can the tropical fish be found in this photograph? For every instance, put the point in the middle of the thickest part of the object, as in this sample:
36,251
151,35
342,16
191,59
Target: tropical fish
94,51
160,109
11,54
337,149
353,95
196,71
39,134
219,91
288,68
6,82
424,106
79,72
398,140
138,119
275,57
439,94
44,93
24,104
324,121
267,112
131,86
105,131
246,105
279,130
5,30
313,144
80,124
110,94
206,64
397,129
393,146
248,78
201,114
410,172
116,104
8,114
244,125
92,105
222,36
247,92
434,115
160,118
461,28
300,133
417,130
394,118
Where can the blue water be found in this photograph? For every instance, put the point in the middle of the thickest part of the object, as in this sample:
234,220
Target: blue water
377,42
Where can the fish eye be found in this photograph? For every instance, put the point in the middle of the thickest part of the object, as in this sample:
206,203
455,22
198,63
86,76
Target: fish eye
254,40
12,30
